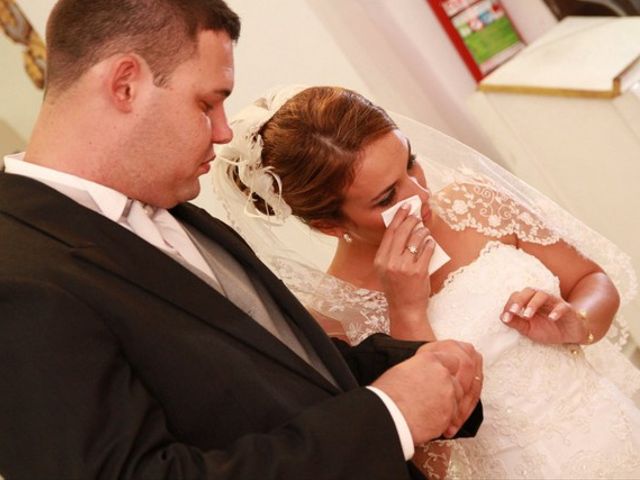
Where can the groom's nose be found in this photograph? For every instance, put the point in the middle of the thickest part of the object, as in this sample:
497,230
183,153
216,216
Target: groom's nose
220,130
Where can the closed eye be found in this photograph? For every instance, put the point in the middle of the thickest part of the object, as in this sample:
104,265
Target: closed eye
391,194
388,198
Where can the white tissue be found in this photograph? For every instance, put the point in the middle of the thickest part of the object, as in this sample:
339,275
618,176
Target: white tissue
439,257
414,209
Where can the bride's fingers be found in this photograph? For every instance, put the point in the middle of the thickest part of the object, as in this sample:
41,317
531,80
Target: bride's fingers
416,242
387,239
520,324
426,252
534,304
514,305
400,242
559,311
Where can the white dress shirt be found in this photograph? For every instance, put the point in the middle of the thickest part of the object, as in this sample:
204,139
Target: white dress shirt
155,225
116,207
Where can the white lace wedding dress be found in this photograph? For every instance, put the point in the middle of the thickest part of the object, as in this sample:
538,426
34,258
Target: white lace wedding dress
550,411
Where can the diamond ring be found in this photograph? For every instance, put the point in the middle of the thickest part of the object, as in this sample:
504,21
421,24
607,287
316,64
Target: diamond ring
412,249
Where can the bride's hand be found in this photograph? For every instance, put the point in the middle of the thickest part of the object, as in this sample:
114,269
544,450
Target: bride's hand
401,263
544,318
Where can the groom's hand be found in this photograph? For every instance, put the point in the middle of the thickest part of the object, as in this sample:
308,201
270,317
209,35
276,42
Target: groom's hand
470,378
437,389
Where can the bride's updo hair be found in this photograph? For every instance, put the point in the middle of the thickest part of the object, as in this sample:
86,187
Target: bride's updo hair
314,142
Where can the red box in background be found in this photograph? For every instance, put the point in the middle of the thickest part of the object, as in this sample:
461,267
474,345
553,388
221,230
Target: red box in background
481,31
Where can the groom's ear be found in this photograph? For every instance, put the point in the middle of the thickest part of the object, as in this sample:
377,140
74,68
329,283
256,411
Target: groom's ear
328,227
126,77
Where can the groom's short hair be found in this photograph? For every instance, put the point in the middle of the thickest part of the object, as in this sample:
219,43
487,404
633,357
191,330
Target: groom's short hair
81,33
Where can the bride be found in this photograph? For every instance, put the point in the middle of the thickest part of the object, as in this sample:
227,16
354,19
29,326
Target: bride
530,286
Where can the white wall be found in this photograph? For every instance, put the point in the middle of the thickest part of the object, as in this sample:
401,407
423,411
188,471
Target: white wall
407,61
411,65
19,97
283,41
37,11
532,17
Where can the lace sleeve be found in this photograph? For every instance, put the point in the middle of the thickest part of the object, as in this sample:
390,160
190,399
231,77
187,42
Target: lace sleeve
468,199
443,460
478,205
361,312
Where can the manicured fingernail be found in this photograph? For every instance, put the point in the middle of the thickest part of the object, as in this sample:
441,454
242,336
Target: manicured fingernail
528,313
506,317
405,206
554,316
421,231
515,308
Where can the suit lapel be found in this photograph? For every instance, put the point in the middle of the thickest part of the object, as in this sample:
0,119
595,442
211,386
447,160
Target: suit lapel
295,311
114,249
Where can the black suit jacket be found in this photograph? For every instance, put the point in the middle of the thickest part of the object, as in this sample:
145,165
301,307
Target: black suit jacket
117,362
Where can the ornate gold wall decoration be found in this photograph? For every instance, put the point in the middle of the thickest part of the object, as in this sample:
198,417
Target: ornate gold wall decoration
16,26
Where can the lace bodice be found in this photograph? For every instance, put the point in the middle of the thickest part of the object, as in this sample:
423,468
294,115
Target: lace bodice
539,400
542,399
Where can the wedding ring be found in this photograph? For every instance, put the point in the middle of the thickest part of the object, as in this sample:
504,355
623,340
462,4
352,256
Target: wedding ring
477,378
412,249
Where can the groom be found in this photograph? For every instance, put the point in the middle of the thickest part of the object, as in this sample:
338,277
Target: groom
141,338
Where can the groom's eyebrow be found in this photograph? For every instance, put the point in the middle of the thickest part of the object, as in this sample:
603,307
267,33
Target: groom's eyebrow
392,186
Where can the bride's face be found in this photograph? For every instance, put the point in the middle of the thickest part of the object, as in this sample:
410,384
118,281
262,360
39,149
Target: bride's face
386,174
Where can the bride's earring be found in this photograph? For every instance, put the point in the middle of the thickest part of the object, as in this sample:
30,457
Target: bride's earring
347,238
